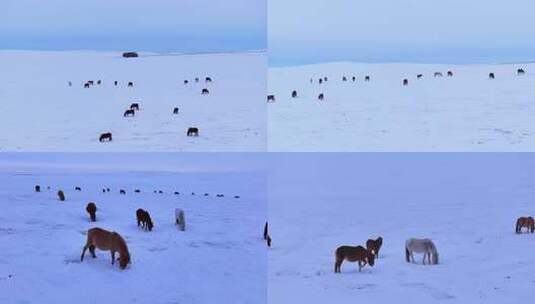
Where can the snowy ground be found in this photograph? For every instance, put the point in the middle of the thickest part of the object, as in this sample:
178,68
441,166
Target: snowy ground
466,203
221,255
467,112
40,112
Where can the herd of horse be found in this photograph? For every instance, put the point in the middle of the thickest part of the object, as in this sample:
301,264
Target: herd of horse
405,82
98,238
367,256
131,111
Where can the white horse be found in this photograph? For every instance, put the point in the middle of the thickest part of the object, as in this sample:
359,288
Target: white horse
425,246
180,219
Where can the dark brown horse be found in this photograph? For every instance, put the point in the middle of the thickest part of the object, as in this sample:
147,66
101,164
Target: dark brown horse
520,72
175,110
205,91
91,208
61,195
208,79
271,98
105,137
143,219
491,76
86,85
77,189
367,78
129,113
353,254
294,94
134,106
106,240
193,131
320,96
405,82
450,74
37,188
130,84
374,246
527,222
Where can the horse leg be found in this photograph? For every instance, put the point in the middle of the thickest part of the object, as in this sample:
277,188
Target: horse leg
83,253
360,266
337,265
92,250
112,257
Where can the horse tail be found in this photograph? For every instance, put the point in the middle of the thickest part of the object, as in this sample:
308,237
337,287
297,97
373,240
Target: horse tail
407,254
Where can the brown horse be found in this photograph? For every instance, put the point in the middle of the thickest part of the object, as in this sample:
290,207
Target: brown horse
193,132
374,246
353,254
143,219
105,137
106,240
527,222
91,208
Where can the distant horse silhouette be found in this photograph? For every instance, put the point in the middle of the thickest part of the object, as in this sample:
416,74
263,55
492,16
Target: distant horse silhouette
450,73
180,219
374,246
77,189
325,79
236,196
193,131
143,219
122,191
320,96
419,76
320,81
37,188
527,222
405,82
491,76
106,240
130,84
196,79
344,78
86,85
115,83
70,84
205,91
99,82
520,72
91,82
175,110
129,113
294,94
186,81
177,193
137,191
271,98
438,74
91,208
353,254
105,137
367,78
425,246
208,79
61,195
134,106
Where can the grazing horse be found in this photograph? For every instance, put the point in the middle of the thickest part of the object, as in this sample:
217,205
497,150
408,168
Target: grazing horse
425,246
61,195
271,98
405,82
205,91
419,76
450,74
374,246
175,110
91,208
353,254
527,222
520,72
106,240
294,94
105,137
491,76
122,191
320,96
207,79
180,219
143,219
130,84
77,189
438,74
37,188
193,131
134,106
86,85
129,113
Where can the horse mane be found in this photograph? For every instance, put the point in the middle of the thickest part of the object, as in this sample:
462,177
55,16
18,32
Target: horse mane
121,244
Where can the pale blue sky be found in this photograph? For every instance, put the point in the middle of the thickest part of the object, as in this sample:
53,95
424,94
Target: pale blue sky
463,31
157,25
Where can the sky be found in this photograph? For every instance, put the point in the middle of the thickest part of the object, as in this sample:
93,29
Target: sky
429,31
155,25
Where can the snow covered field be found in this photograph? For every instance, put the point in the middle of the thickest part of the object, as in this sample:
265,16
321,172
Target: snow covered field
221,255
466,203
466,112
40,112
